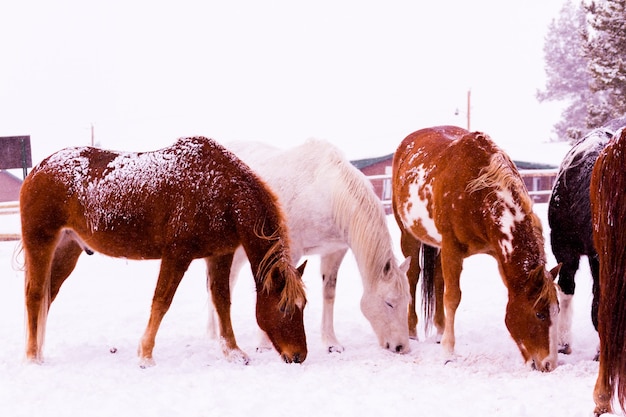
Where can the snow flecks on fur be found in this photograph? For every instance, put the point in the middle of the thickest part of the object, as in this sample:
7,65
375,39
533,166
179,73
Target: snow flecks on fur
133,175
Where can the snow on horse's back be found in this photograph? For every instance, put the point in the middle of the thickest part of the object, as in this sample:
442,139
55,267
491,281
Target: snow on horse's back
331,207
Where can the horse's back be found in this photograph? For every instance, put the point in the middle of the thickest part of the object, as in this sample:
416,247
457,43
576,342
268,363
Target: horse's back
138,205
303,177
569,215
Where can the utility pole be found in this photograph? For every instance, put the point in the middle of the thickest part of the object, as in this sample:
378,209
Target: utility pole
93,135
469,94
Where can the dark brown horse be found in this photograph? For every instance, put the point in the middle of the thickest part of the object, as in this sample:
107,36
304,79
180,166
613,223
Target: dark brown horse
192,200
457,191
608,210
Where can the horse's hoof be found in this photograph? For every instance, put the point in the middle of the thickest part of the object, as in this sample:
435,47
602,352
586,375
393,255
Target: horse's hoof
237,356
335,349
565,349
145,363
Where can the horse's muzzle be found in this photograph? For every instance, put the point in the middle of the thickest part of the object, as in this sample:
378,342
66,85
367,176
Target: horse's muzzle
399,348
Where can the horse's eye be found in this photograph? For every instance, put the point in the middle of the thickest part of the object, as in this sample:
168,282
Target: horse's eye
540,316
389,304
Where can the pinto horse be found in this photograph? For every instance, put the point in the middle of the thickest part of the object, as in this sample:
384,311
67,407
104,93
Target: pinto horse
188,201
608,209
457,191
569,217
331,207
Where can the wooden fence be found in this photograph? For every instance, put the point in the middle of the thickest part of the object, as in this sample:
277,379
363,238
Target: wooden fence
9,207
539,183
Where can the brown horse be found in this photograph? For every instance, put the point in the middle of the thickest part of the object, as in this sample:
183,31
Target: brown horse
608,210
457,191
192,200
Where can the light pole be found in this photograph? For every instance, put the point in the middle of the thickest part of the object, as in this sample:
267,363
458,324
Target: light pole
469,106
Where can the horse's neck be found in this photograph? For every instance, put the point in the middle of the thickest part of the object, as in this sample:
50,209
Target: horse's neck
523,259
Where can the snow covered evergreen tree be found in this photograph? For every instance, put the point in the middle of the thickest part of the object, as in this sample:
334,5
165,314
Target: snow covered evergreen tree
606,52
568,77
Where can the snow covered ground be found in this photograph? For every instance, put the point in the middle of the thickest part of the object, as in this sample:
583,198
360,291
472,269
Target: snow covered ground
104,305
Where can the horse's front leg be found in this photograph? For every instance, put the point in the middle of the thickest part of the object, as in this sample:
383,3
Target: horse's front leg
239,260
218,268
451,264
329,268
170,275
570,262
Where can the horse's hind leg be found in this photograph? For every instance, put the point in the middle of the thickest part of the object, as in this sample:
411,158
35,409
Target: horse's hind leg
219,281
411,247
329,267
63,263
452,265
37,295
37,258
170,275
602,392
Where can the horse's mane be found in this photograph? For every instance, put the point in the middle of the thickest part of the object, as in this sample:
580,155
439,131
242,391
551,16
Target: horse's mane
501,174
359,214
277,262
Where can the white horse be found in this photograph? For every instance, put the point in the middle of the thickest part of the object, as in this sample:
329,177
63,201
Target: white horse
331,207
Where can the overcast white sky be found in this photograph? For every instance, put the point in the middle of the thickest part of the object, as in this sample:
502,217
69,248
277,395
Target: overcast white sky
361,74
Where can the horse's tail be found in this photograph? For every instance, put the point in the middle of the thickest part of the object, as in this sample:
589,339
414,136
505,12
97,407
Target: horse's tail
429,258
608,197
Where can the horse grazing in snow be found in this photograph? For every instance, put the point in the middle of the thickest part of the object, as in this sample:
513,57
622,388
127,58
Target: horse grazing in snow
457,191
192,200
569,217
331,207
608,209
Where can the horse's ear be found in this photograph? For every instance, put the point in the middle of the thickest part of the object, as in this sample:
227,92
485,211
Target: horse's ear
404,266
554,272
301,267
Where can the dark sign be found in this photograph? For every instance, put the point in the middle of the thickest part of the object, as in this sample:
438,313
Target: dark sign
15,152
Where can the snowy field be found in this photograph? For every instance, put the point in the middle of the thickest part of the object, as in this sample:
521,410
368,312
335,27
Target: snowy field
104,306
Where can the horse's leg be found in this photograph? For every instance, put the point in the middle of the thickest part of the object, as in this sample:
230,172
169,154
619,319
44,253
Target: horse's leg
602,393
570,262
594,266
440,317
411,247
329,267
38,255
452,265
219,273
239,260
170,274
65,257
